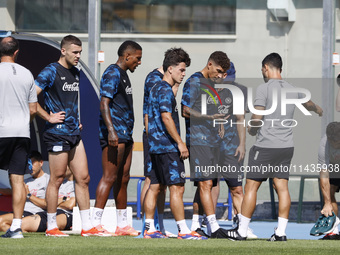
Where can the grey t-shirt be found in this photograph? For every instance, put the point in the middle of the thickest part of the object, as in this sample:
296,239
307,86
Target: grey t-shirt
37,187
327,154
17,90
274,133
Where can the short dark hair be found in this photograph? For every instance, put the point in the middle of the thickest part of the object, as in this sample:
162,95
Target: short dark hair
174,56
333,131
70,39
8,47
35,156
126,45
220,58
273,60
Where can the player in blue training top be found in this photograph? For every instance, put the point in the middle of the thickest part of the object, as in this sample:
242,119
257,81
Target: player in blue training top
151,79
167,150
232,146
59,82
115,133
203,136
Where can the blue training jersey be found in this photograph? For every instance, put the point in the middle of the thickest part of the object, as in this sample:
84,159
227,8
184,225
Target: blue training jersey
198,131
230,141
161,99
115,84
151,79
60,88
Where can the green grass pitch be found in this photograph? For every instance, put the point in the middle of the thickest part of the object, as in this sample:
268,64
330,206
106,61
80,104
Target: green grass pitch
37,243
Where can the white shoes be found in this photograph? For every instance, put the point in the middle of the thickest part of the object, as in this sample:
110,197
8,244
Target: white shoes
250,234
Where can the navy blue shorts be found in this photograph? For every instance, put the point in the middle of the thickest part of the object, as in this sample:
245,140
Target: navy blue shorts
60,143
264,163
230,170
104,142
167,169
147,159
203,160
14,154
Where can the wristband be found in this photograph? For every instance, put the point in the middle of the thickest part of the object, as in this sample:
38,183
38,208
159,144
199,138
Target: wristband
28,196
64,198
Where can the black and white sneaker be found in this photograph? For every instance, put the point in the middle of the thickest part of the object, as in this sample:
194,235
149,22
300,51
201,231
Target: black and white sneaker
275,238
13,234
231,234
201,232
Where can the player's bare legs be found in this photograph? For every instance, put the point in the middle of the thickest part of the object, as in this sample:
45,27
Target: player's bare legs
333,200
151,200
79,168
18,194
123,177
146,186
31,223
6,221
237,195
116,168
205,196
281,187
250,196
58,164
176,201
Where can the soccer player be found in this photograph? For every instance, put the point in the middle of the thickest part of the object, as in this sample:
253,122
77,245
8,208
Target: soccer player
273,147
167,149
59,82
35,189
116,127
329,160
18,105
201,135
151,79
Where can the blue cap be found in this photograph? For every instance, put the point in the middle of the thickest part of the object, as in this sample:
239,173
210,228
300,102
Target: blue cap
231,73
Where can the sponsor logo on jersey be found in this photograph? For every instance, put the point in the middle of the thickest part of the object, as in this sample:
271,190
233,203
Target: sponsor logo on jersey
210,100
71,87
223,109
128,90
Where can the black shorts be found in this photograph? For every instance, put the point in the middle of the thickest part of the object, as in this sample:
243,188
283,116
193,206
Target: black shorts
147,159
69,217
264,163
203,161
167,169
14,154
104,142
43,221
60,143
335,182
26,213
230,170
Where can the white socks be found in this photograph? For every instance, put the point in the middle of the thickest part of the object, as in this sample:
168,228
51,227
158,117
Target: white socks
243,225
96,218
85,219
213,223
196,222
150,225
122,218
182,227
16,223
281,227
51,221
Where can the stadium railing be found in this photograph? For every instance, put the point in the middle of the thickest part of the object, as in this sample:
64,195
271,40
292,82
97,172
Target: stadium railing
228,203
